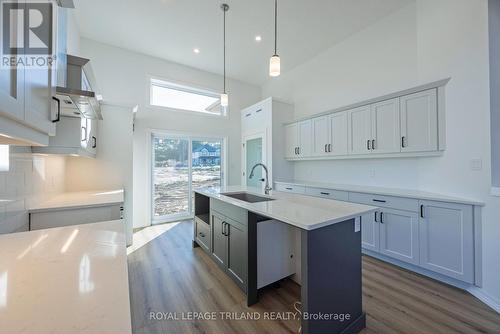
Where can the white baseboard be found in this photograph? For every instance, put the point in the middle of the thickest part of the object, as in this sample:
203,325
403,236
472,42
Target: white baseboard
485,298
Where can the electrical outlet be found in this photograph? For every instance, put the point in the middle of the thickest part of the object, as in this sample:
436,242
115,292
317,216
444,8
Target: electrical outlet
476,164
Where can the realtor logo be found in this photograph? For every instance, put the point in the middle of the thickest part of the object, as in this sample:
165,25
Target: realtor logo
27,28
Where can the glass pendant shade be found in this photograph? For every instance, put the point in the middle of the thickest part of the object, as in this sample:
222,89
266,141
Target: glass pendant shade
224,100
274,66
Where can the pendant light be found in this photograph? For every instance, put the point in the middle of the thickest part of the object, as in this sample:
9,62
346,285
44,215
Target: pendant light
274,62
224,99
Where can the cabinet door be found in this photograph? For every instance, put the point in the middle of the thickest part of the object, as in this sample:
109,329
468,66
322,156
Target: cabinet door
292,140
360,127
386,127
305,138
237,252
370,232
419,127
12,84
321,136
38,100
446,239
219,240
399,235
338,134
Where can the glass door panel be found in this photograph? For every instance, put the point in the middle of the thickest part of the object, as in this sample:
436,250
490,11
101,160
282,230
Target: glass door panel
170,177
253,156
206,163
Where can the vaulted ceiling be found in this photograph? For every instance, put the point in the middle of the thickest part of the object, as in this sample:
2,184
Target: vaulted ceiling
172,29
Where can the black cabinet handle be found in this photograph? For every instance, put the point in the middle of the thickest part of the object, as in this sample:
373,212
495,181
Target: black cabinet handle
224,228
289,188
202,234
84,128
382,217
298,150
373,144
403,141
330,148
422,211
94,142
58,109
375,217
324,193
326,148
368,145
228,230
248,115
258,110
379,200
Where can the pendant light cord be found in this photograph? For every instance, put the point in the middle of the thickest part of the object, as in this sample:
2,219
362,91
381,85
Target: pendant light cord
275,26
224,34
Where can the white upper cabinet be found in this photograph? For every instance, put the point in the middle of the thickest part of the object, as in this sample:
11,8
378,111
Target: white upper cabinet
321,136
360,130
338,135
12,93
305,138
419,122
385,127
292,140
38,100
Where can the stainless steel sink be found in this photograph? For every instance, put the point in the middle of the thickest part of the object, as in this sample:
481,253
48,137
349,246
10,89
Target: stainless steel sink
247,197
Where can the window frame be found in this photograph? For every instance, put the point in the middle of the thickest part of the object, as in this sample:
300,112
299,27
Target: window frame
188,88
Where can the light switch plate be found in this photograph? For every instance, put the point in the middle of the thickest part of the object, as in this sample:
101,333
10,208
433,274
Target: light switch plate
476,164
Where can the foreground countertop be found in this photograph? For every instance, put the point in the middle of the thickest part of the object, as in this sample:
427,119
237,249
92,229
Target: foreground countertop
65,280
302,211
408,193
78,200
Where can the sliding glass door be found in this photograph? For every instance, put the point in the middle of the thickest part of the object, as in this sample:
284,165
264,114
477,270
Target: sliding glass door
180,164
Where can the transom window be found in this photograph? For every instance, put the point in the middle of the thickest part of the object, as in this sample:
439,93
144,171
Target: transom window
173,96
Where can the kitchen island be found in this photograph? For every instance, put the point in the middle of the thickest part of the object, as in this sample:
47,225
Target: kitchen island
226,226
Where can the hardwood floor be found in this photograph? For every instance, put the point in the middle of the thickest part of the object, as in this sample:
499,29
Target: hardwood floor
168,275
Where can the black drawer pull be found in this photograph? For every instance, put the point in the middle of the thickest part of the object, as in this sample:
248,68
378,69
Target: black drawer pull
289,188
382,217
202,234
422,211
379,200
323,193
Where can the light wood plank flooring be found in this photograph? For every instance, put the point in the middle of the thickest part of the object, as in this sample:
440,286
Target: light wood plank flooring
168,275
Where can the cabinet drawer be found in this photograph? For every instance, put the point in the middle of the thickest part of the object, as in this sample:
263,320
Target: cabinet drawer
230,211
407,204
328,193
203,234
290,188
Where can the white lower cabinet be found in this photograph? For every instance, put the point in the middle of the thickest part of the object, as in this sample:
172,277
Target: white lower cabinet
447,239
399,234
370,232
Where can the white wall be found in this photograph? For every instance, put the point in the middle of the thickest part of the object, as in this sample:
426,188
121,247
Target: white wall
123,78
30,177
423,42
112,169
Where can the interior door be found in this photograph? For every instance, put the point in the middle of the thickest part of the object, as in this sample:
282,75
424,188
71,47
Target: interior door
360,128
219,240
12,81
321,136
292,140
370,232
305,138
386,127
339,138
419,127
399,235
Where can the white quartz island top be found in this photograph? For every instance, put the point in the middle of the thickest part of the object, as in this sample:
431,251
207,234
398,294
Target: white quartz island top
302,211
65,280
78,200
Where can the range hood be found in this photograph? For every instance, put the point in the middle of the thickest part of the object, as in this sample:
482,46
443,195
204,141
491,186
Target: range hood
78,97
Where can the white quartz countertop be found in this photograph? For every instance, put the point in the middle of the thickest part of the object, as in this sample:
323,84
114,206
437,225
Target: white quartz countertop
65,280
302,211
78,200
408,193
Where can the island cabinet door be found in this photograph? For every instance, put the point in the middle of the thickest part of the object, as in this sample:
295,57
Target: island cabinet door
370,232
237,252
399,235
219,239
447,239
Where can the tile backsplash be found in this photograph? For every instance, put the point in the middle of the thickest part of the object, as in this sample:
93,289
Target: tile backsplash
28,178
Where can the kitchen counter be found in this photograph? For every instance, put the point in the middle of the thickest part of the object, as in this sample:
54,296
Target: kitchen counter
408,193
65,280
75,200
302,211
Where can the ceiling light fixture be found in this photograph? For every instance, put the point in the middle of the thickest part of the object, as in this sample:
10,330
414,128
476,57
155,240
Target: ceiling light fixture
196,50
224,99
274,62
258,38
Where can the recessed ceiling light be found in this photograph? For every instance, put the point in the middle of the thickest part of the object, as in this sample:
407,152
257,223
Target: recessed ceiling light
258,38
196,50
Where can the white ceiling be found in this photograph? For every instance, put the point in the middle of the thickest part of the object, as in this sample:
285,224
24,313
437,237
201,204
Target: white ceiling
171,29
